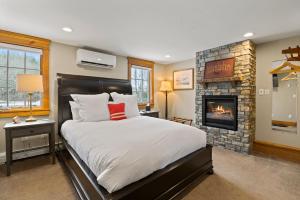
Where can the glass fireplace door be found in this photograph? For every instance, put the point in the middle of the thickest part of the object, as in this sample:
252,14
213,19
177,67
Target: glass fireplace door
220,111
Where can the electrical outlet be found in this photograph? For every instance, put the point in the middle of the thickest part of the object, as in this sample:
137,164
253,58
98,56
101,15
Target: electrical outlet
261,91
290,116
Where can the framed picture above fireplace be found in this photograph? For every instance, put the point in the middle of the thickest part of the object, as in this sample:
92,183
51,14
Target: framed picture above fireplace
220,111
219,68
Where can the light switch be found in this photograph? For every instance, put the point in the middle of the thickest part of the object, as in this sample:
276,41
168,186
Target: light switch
290,116
267,91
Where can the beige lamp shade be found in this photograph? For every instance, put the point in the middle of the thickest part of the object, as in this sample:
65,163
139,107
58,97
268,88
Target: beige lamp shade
29,83
165,86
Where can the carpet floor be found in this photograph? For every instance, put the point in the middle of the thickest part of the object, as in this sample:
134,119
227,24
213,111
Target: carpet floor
236,177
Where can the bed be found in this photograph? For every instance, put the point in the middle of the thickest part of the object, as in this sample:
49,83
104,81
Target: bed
172,180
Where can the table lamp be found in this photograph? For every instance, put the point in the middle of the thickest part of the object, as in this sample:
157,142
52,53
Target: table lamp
30,83
166,87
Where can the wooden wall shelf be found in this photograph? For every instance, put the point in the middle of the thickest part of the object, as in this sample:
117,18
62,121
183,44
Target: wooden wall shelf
292,54
233,80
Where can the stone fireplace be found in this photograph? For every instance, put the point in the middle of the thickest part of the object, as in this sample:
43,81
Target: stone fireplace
225,108
220,111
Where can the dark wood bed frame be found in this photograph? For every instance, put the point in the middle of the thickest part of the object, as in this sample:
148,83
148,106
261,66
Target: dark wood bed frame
171,182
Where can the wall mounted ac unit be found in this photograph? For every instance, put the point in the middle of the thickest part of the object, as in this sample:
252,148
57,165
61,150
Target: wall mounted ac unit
95,59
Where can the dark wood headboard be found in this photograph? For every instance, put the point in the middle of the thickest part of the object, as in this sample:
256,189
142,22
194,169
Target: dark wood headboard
74,84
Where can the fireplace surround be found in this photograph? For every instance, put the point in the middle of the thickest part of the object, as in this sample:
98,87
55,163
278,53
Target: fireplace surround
242,85
220,111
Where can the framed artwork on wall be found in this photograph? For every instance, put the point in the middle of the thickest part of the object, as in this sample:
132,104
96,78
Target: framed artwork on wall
183,79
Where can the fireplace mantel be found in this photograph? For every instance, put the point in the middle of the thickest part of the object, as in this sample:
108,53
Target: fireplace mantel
233,80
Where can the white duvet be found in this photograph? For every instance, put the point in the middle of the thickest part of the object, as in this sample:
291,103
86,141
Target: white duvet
122,152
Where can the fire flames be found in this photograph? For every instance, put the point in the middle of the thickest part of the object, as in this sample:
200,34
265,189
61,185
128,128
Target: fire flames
220,112
220,109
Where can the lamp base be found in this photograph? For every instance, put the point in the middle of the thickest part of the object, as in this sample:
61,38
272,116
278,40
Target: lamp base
31,119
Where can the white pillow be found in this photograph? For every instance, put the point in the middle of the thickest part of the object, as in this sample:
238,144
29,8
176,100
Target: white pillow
131,105
92,108
75,110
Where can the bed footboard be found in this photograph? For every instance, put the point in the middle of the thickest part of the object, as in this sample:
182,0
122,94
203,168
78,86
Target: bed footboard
171,182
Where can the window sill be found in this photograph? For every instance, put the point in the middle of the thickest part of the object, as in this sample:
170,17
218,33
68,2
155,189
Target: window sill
23,112
143,105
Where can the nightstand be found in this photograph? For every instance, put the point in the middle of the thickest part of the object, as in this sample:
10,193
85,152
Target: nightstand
150,113
25,129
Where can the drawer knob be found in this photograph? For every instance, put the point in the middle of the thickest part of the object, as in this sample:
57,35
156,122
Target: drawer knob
31,131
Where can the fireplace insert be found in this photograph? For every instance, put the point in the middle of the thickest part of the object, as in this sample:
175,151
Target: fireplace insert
220,111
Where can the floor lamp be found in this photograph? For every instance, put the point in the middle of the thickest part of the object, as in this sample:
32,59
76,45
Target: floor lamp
166,87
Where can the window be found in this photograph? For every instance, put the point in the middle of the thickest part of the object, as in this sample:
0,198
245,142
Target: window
17,60
22,54
140,82
141,76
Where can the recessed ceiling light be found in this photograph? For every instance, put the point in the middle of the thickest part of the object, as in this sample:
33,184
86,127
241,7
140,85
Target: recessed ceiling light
168,56
249,34
99,59
67,29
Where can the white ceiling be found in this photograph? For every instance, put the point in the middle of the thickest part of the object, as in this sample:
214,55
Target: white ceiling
150,29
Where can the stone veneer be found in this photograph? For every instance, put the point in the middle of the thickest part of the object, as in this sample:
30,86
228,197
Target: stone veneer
245,66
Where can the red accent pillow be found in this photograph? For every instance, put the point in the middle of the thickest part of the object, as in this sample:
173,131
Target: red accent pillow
117,111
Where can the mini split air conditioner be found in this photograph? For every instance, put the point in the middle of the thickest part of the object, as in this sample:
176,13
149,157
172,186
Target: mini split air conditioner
95,59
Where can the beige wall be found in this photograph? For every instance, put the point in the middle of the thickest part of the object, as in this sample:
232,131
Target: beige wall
159,75
265,54
62,60
181,103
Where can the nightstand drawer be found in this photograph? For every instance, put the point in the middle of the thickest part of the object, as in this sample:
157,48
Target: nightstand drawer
20,132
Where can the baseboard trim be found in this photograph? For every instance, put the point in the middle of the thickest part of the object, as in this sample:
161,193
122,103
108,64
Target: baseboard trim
26,153
277,150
